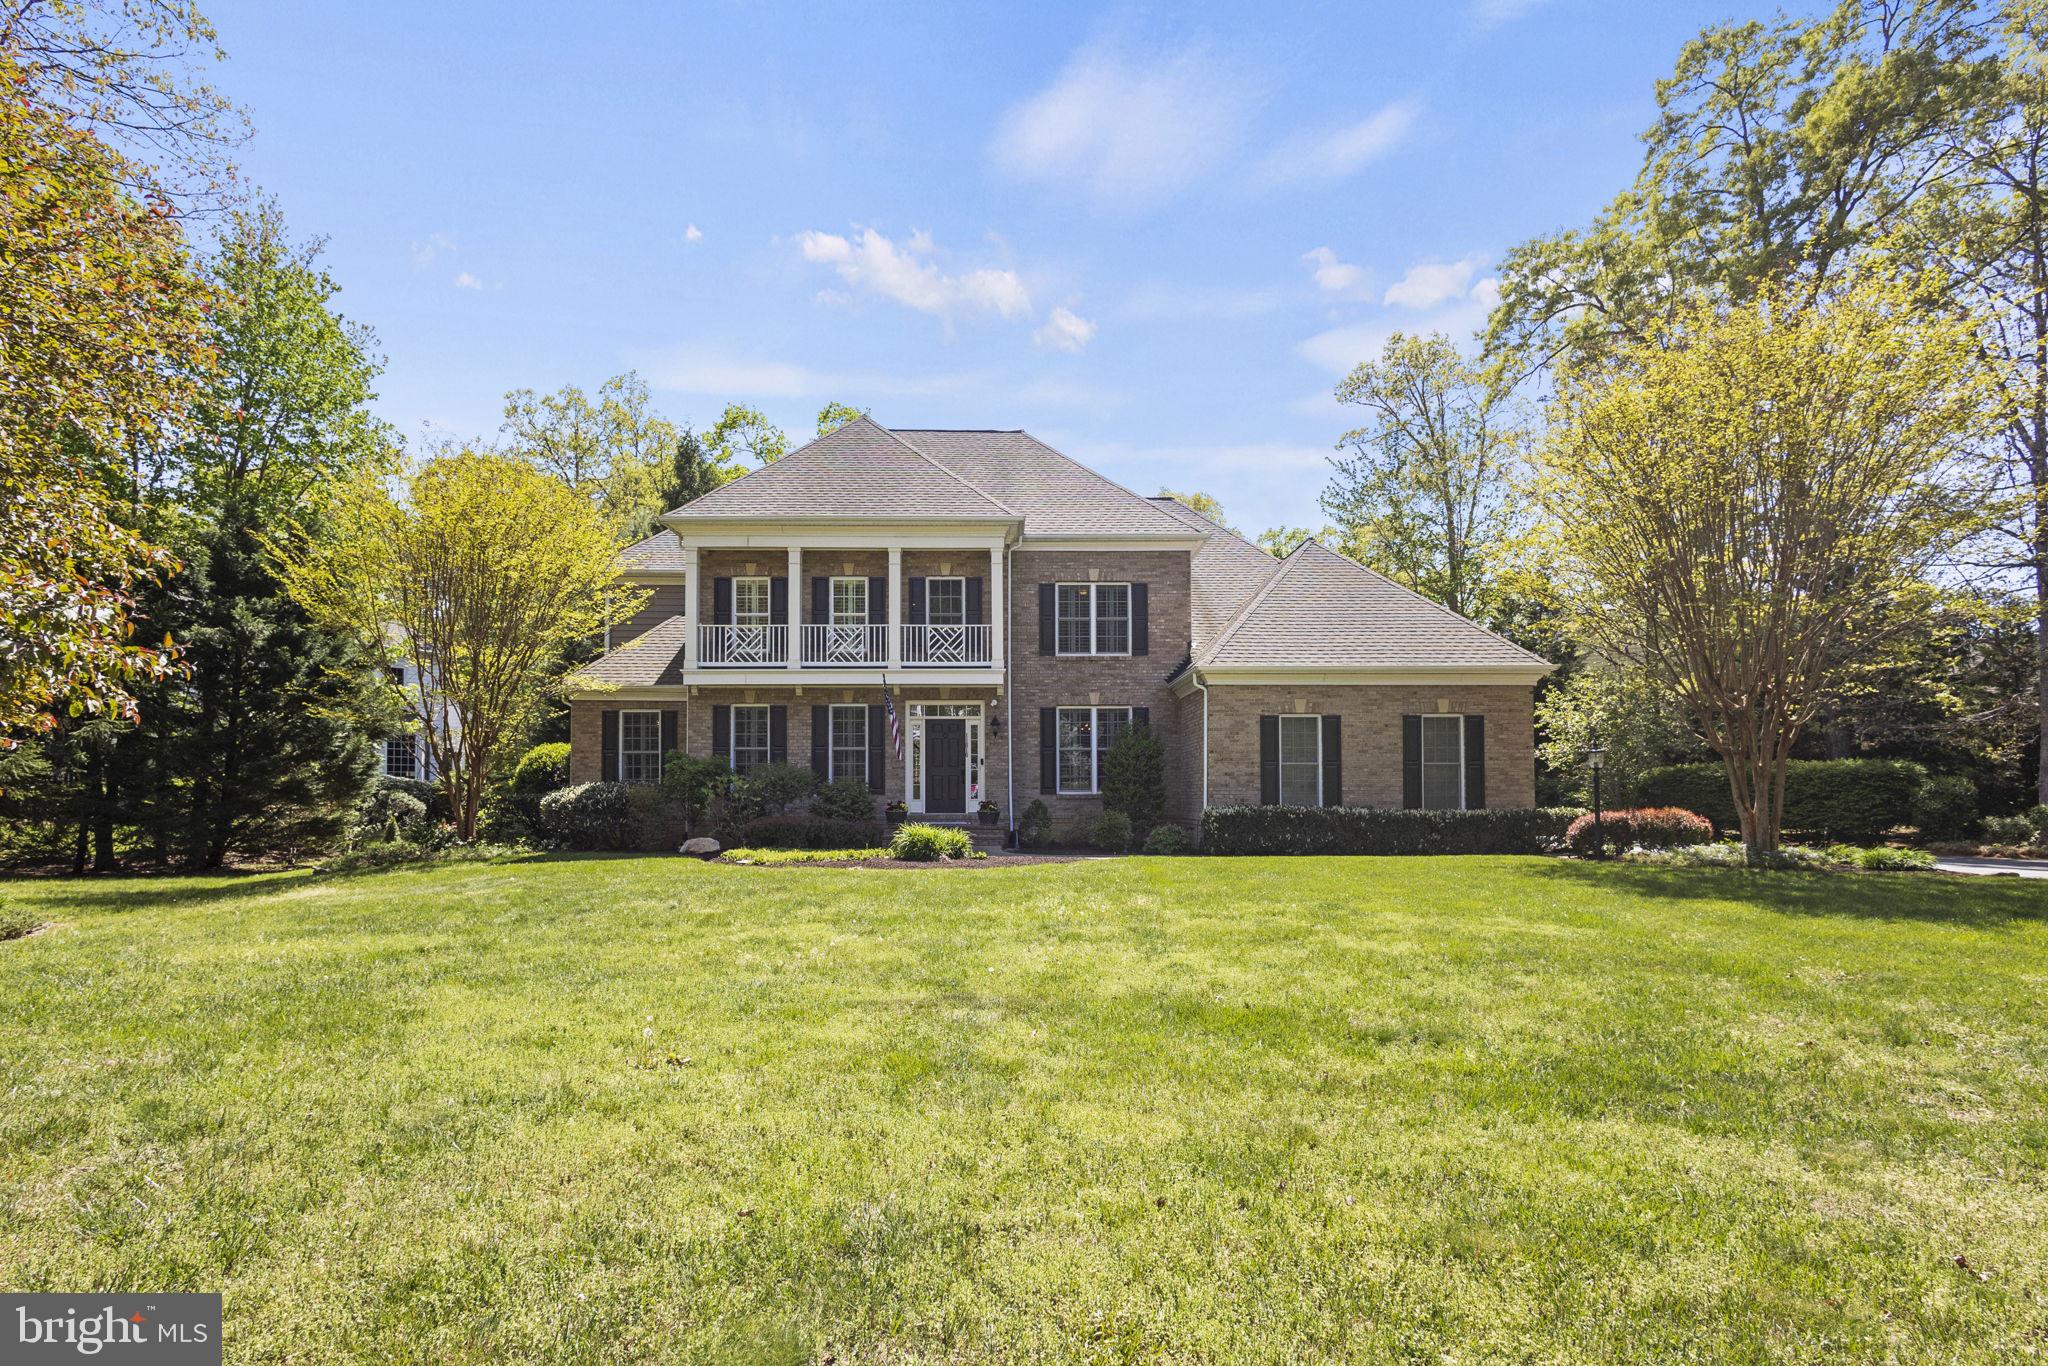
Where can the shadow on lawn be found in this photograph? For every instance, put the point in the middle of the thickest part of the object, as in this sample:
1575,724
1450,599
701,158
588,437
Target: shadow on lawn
1975,902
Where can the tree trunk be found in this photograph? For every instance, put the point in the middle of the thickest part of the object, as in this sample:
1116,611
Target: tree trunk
2041,657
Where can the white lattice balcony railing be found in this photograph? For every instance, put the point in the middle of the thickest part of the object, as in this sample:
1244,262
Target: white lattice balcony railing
742,646
844,646
947,645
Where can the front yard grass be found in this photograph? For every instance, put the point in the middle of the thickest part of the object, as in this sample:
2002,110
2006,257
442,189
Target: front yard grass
1170,1109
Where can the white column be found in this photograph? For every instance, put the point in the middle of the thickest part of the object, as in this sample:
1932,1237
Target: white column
691,583
898,609
796,606
998,604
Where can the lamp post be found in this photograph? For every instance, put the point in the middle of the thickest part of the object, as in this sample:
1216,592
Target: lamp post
1594,756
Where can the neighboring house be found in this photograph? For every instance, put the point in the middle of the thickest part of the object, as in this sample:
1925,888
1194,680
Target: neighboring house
1016,611
407,755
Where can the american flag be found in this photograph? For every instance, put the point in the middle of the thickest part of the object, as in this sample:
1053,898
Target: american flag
895,731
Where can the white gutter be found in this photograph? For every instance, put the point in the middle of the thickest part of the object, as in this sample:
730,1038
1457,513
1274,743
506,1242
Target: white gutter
1196,679
1009,687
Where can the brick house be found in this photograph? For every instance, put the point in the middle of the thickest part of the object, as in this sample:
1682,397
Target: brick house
1008,612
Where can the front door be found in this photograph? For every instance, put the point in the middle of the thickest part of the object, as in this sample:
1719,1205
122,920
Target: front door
945,766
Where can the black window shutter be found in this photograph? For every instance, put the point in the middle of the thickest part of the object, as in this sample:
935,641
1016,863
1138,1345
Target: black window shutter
821,598
721,601
1333,761
671,733
1411,762
821,742
878,763
778,735
610,766
778,601
1269,761
1045,621
1475,763
1048,748
721,734
974,603
878,600
1141,717
1141,619
916,616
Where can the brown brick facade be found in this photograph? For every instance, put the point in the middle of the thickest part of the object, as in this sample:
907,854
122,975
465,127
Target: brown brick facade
1372,736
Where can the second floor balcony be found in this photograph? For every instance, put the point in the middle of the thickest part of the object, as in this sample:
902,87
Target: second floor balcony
815,645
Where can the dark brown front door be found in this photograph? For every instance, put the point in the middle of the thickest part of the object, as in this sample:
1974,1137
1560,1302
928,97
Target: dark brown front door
945,767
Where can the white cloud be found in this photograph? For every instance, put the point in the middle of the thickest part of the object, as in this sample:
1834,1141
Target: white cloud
1333,275
1065,330
697,370
693,233
1488,14
1157,300
1127,128
467,281
1338,349
437,244
1430,283
1335,153
871,263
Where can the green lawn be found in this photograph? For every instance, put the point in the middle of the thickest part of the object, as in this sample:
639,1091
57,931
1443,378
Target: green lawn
1429,1109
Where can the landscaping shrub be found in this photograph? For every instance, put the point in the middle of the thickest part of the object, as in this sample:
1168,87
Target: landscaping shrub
2008,830
799,831
929,843
389,815
427,794
1167,839
2037,816
1650,827
845,799
1034,827
769,858
1786,857
777,787
591,816
1381,830
1881,859
659,822
1945,807
542,768
695,785
1111,831
1134,777
1856,800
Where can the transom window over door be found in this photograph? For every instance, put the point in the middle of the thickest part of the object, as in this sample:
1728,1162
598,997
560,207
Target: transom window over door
945,602
639,746
849,756
1301,761
849,602
1085,735
1094,618
750,602
750,739
1443,763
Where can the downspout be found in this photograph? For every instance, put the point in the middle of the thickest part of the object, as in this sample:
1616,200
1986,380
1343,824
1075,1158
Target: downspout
1009,690
1196,679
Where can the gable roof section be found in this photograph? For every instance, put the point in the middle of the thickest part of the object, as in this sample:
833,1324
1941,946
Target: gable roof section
1055,494
660,553
651,660
861,469
1321,610
1226,573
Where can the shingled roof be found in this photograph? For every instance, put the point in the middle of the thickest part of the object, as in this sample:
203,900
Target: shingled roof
1055,494
861,469
660,553
1321,610
1226,573
646,661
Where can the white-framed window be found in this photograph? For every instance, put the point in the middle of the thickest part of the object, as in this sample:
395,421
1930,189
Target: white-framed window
849,602
1093,618
751,602
639,746
751,745
848,747
1301,761
945,602
401,756
1443,763
1085,735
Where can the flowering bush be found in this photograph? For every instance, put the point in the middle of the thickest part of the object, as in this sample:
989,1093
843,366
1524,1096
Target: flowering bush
1648,827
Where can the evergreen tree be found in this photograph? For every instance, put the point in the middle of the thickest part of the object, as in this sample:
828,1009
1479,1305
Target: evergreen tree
693,471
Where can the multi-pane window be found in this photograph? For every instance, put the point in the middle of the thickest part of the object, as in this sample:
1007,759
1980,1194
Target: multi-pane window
1443,763
750,602
1094,618
639,746
945,602
750,742
849,602
1085,735
401,757
1301,761
849,742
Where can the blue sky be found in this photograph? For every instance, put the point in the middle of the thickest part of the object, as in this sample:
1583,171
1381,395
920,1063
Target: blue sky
1153,235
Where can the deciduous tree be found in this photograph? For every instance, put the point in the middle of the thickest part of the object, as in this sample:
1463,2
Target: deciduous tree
743,433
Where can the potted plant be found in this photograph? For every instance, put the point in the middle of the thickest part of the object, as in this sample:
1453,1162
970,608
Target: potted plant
895,811
990,812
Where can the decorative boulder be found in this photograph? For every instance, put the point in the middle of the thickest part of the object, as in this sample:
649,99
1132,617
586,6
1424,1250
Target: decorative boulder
701,847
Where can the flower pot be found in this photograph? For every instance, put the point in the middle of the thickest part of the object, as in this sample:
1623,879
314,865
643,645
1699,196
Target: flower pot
895,815
991,817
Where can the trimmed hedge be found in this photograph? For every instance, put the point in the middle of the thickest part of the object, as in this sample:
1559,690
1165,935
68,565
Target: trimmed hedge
591,816
542,768
809,832
1168,839
1647,827
1850,800
1382,830
1111,832
429,795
